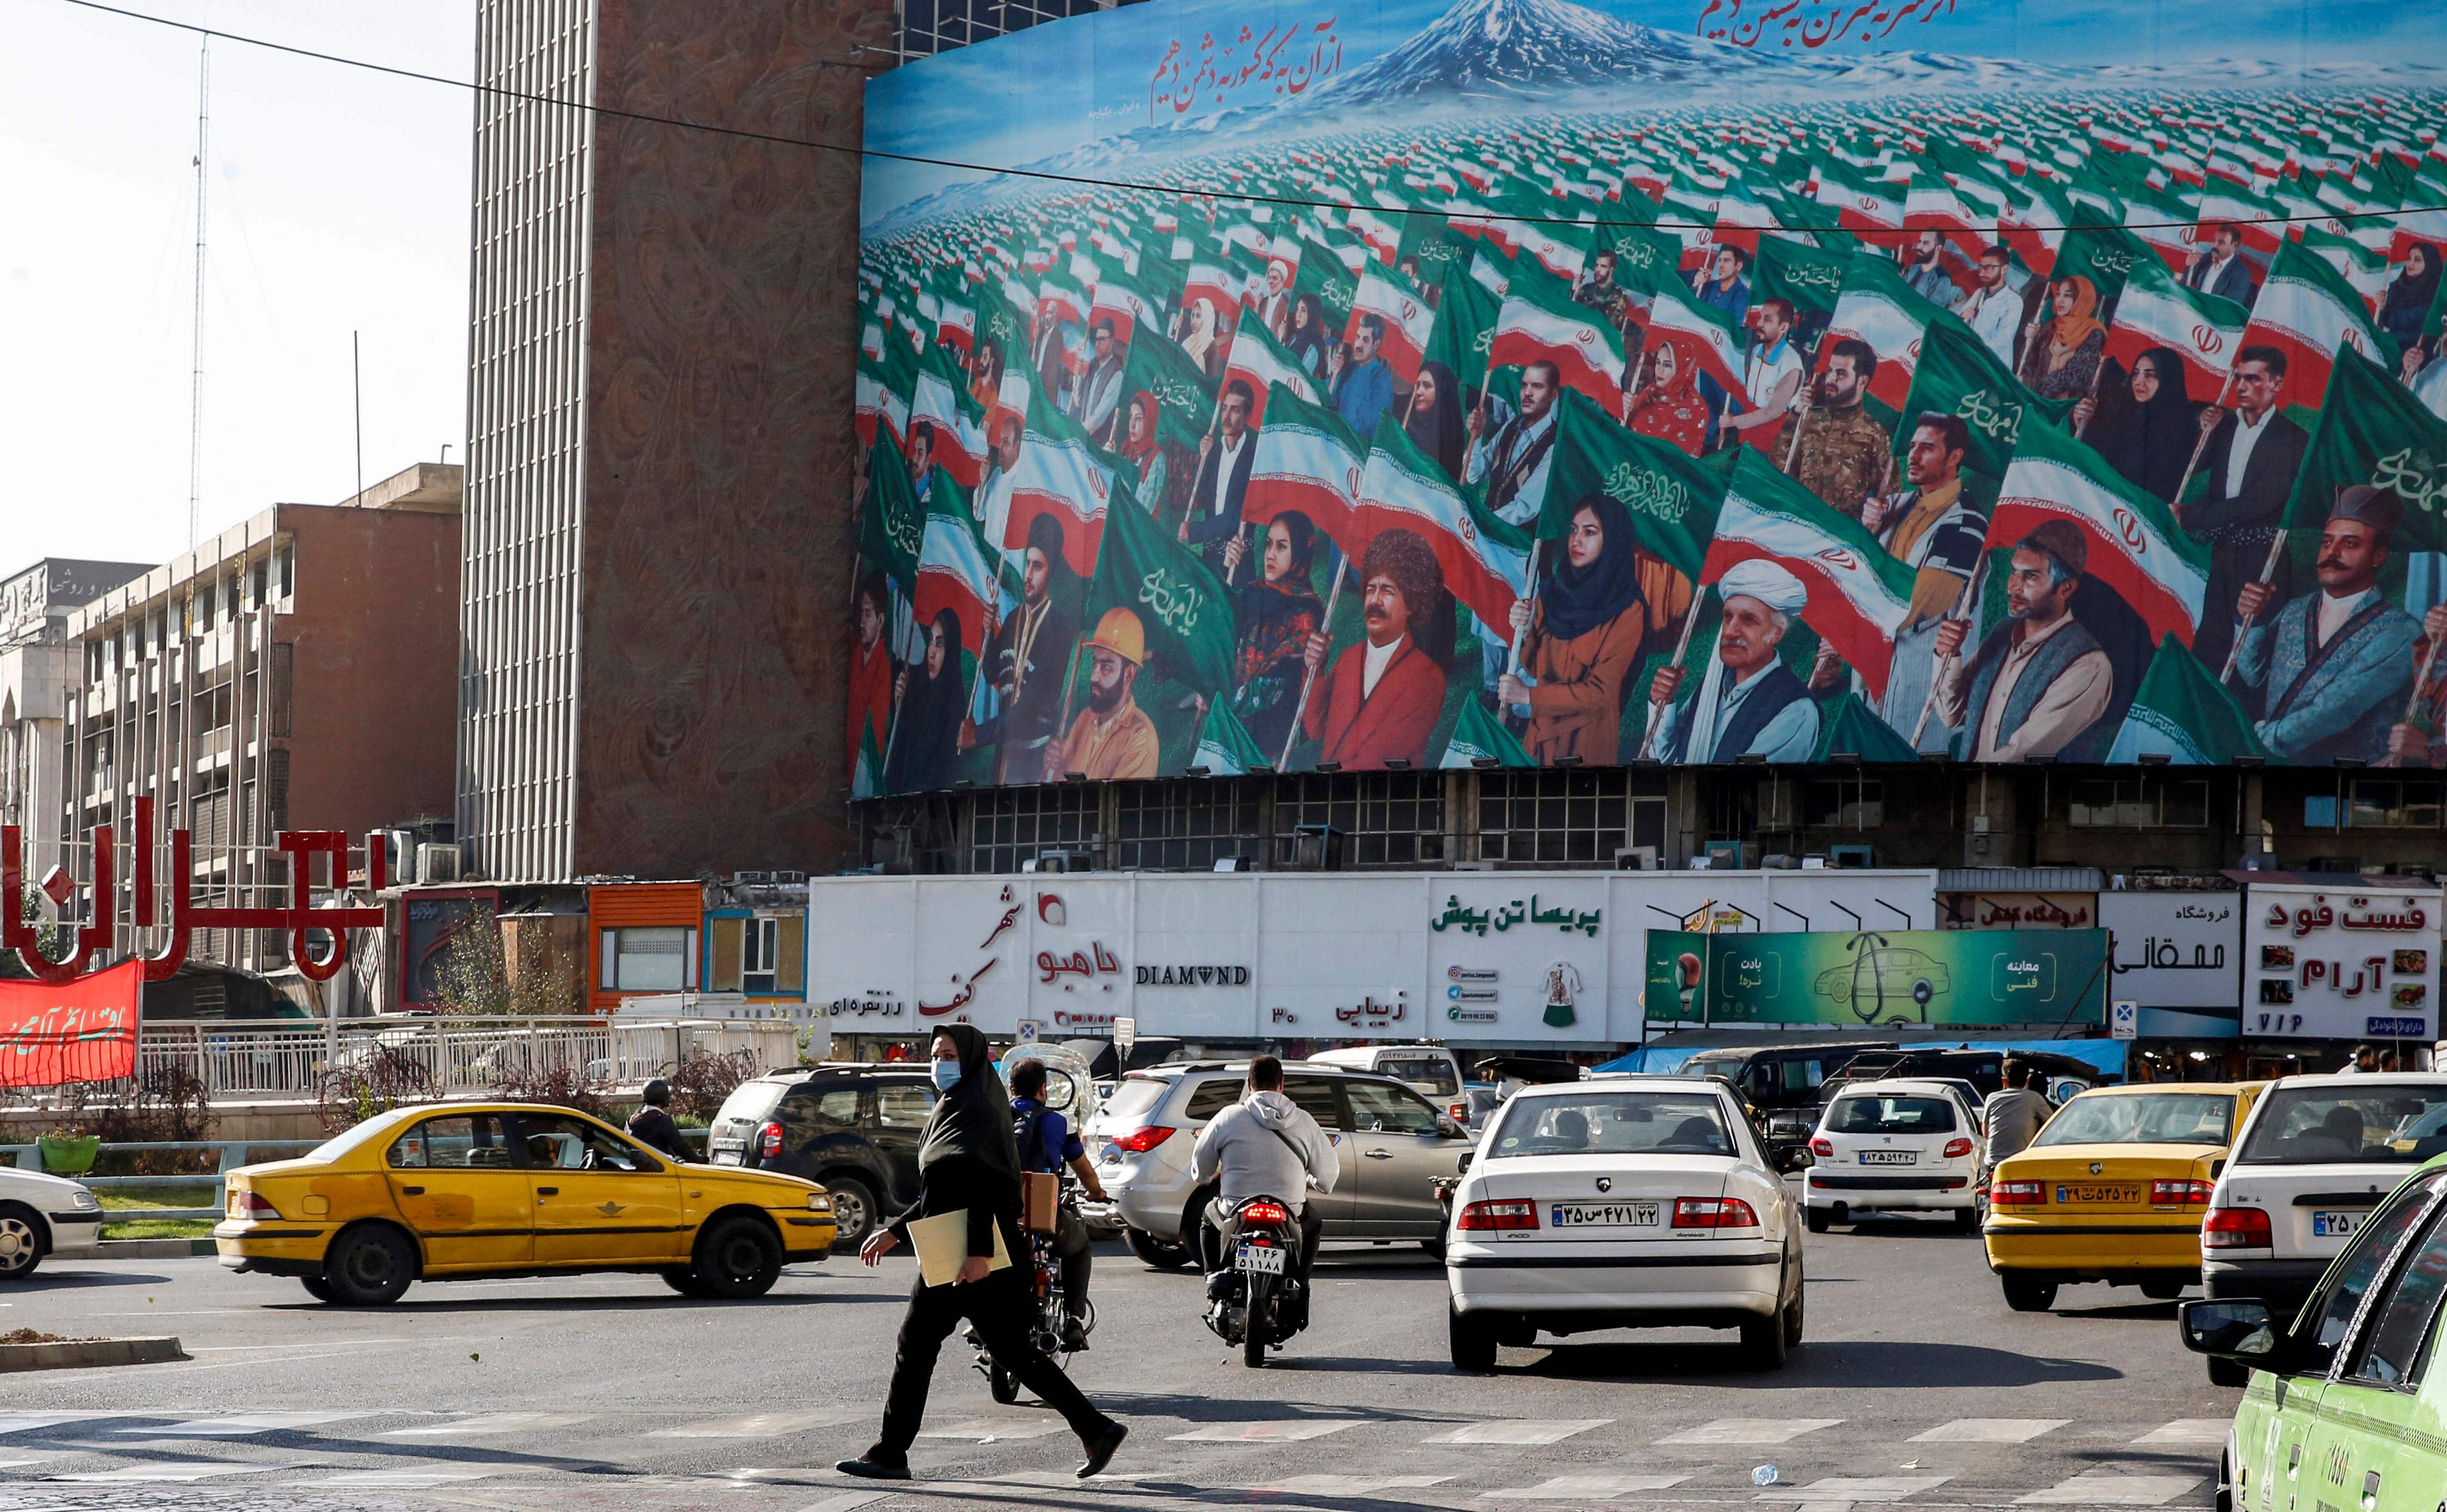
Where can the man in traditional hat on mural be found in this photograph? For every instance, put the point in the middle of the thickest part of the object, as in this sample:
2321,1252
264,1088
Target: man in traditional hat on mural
2040,681
1112,740
2335,664
1749,702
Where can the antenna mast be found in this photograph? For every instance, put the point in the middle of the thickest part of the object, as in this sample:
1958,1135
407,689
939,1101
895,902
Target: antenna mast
195,379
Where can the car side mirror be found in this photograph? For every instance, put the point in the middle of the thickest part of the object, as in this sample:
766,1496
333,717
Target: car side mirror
1447,1128
1461,1165
2217,1168
2239,1329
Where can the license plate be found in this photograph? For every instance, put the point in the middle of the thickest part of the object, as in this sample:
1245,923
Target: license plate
2336,1226
726,1157
1262,1259
2099,1194
1891,1157
1605,1215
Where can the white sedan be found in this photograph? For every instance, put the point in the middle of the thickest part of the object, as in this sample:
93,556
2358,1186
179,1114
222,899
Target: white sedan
1890,1146
1631,1201
40,1216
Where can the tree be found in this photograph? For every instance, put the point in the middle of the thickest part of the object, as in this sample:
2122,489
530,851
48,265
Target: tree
482,974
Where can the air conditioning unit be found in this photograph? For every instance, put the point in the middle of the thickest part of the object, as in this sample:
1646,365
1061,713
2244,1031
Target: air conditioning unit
751,878
1851,858
1725,855
789,878
1061,861
399,861
1780,863
437,864
1635,857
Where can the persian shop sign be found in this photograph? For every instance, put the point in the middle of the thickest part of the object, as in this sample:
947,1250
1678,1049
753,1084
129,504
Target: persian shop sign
2336,963
1880,978
299,920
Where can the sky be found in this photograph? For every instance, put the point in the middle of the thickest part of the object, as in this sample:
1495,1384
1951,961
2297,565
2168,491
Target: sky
339,203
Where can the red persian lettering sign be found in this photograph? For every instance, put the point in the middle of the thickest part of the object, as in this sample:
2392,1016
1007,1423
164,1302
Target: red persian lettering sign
55,1033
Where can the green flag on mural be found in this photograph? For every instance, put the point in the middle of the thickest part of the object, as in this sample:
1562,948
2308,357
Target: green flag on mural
1465,328
2104,254
1673,498
1809,276
1852,729
2372,430
2182,714
892,524
1184,395
1958,375
1479,736
1225,747
1181,608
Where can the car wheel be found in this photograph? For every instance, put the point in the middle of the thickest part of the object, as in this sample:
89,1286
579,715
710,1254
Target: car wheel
317,1288
1472,1336
853,1210
21,1242
2229,1372
1435,1248
684,1280
369,1266
738,1257
1763,1341
1816,1218
1793,1312
1967,1220
2029,1293
1164,1255
2164,1289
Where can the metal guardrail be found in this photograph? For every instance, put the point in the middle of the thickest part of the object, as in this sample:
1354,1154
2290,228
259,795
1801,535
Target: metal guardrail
286,1060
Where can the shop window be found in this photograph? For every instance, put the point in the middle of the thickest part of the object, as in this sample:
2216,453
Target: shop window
2392,802
1016,824
1185,826
1844,803
1386,819
2139,802
658,958
1565,817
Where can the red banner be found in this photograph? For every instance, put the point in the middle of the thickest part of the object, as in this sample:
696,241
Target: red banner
82,1031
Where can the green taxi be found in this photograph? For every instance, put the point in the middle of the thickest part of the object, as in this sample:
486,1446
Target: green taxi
2346,1406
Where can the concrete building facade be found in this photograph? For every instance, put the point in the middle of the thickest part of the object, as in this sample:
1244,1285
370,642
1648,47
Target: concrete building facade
37,667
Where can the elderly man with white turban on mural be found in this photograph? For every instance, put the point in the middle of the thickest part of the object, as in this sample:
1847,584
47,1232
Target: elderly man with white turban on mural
1749,702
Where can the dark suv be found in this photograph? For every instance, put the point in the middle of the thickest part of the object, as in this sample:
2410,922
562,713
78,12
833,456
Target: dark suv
852,1126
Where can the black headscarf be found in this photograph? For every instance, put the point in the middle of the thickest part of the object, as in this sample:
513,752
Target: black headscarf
2150,445
925,743
2409,298
1580,599
1438,432
974,1118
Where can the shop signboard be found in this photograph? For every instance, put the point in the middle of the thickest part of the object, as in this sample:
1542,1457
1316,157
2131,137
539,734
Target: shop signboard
1859,978
2177,950
2344,963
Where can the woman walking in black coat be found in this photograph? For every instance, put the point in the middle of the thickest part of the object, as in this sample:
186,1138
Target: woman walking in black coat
968,1163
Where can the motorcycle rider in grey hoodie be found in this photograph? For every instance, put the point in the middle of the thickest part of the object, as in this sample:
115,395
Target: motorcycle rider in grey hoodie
1264,1146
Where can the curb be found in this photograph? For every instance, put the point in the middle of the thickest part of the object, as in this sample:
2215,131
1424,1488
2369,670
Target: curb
147,1249
83,1354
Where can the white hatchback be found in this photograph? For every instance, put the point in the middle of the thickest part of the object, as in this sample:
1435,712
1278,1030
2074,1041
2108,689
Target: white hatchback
1631,1201
1902,1145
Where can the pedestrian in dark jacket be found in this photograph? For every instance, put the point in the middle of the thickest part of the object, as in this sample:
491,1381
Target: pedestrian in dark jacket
968,1163
654,1126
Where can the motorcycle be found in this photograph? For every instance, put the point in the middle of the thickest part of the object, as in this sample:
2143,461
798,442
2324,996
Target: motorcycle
1045,1329
1261,1303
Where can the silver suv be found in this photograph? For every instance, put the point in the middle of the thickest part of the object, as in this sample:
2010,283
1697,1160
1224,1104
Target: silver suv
1391,1143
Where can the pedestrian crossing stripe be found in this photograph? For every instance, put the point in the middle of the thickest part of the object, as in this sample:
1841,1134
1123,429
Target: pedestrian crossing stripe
1349,1485
241,1424
1587,1488
1857,1488
1990,1431
1287,1431
494,1423
1750,1430
172,1471
2111,1489
2186,1431
996,1430
1517,1431
759,1425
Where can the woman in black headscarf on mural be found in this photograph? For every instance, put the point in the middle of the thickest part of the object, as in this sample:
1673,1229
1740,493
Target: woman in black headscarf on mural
2149,440
1434,419
2406,309
1586,627
925,734
969,1163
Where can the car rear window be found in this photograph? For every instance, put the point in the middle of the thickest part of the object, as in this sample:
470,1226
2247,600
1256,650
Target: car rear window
1210,1098
1432,1072
2142,1118
1133,1098
2323,1125
751,1100
1869,1114
1611,1123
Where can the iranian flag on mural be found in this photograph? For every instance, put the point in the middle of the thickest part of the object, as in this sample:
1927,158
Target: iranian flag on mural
1121,300
2157,311
955,571
1860,594
1876,306
1060,473
1485,561
1710,333
1261,362
2307,310
942,399
1307,461
2135,546
1540,322
1409,320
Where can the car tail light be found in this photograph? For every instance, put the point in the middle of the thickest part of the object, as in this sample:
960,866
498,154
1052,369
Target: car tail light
1713,1213
2181,1194
251,1204
2237,1228
1271,1214
1824,1150
1956,1149
768,1141
1140,1141
1458,1112
1504,1215
2017,1194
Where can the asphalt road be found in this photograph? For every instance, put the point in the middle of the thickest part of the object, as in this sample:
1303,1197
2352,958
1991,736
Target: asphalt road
1915,1387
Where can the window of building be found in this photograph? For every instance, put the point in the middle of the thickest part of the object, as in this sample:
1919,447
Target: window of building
2139,802
660,958
288,570
229,597
1844,803
1565,817
203,601
2391,802
260,583
1015,824
1187,825
1384,819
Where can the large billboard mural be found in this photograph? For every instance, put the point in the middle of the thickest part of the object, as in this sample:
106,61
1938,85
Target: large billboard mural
1518,383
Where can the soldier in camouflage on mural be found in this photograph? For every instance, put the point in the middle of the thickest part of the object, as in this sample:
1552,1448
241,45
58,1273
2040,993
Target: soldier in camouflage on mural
1833,448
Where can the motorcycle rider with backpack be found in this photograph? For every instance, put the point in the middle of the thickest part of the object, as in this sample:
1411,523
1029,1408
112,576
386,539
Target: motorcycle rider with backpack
1264,1146
1048,1143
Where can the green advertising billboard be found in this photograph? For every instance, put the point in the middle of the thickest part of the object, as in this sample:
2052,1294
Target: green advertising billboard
1984,977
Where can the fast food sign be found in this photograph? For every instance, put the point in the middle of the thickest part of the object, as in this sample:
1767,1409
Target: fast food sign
2341,963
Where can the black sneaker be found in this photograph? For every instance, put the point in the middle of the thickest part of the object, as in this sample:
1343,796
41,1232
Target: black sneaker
868,1467
1100,1449
1074,1335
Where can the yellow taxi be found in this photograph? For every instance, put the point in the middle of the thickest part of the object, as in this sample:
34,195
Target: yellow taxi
454,1190
2113,1190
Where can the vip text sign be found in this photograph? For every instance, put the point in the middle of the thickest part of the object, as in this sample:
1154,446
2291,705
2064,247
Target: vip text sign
1885,977
2340,962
